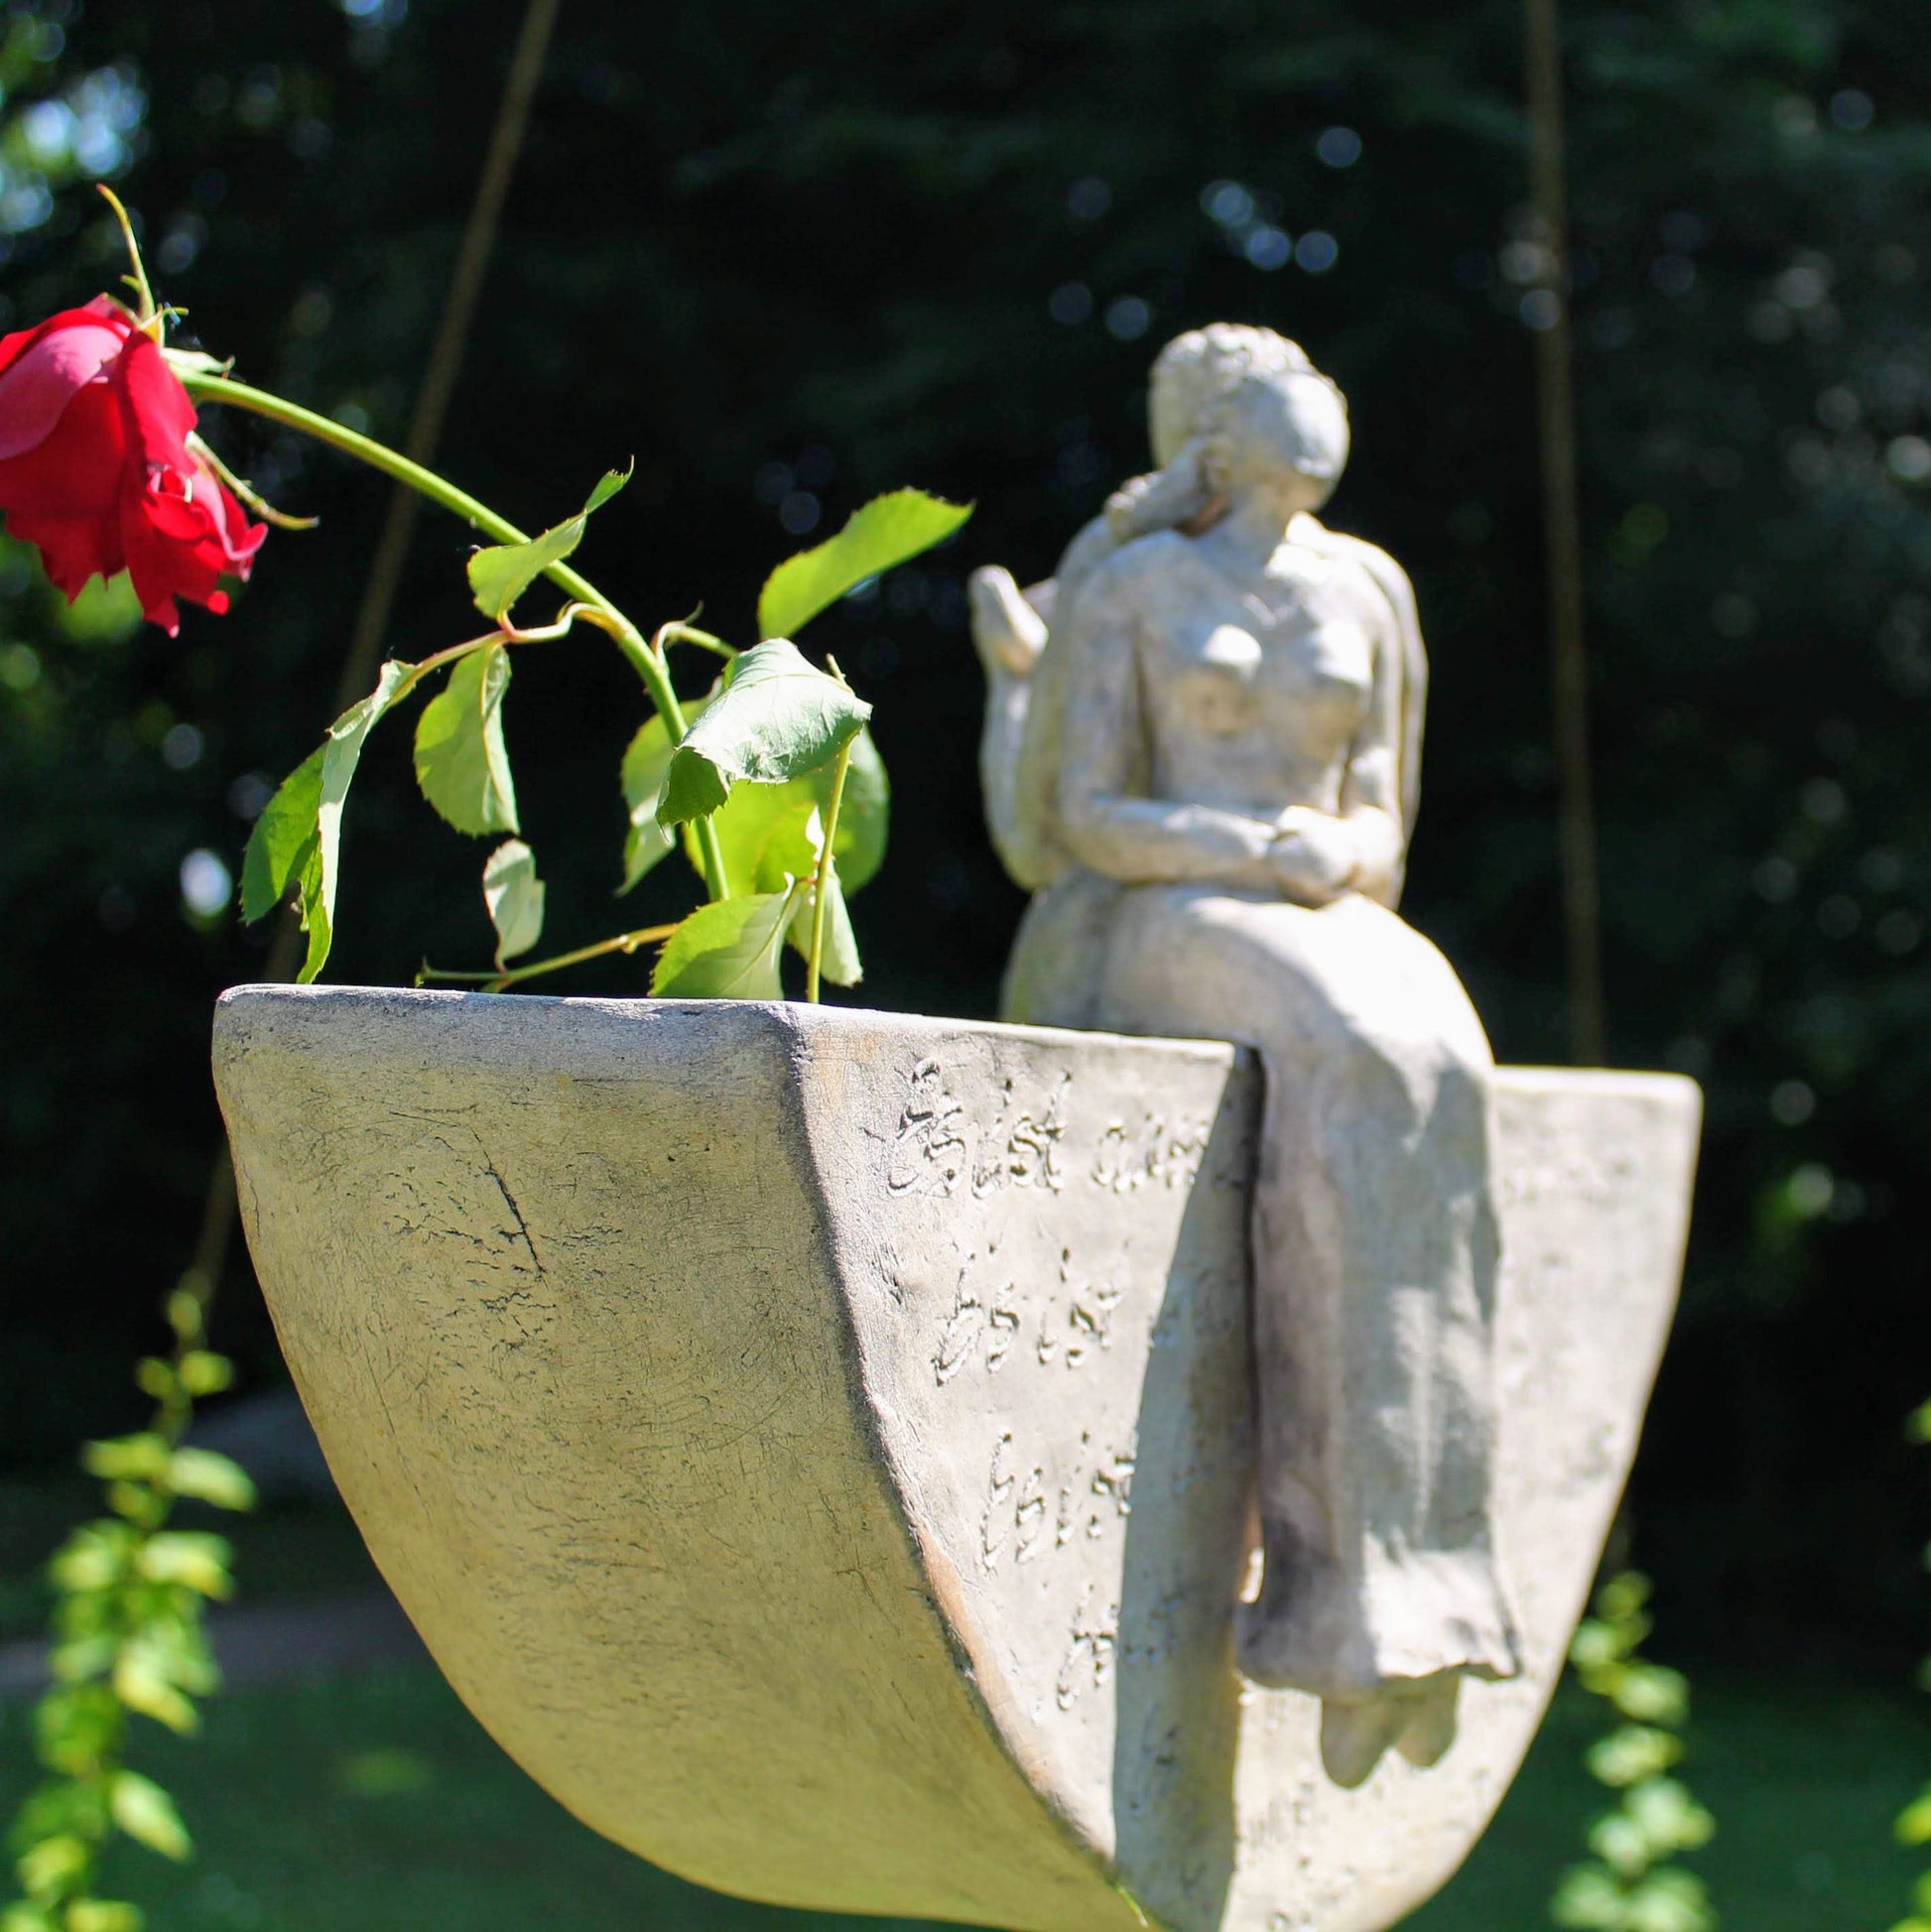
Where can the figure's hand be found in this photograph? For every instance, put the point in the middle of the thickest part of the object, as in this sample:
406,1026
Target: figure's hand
1009,632
1172,498
1313,857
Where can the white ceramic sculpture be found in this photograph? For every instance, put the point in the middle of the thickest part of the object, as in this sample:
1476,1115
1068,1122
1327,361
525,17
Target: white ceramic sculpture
822,1447
819,1445
1210,774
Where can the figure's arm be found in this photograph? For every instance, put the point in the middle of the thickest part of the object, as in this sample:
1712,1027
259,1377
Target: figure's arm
1363,846
1008,627
1370,792
1105,822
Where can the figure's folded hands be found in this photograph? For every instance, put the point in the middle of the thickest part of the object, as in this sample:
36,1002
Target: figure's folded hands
1313,857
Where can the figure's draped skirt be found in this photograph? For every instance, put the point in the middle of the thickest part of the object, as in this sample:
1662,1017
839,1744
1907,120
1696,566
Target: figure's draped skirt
1376,1249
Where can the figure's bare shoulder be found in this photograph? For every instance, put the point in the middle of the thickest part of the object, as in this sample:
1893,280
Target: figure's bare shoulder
1123,582
1373,564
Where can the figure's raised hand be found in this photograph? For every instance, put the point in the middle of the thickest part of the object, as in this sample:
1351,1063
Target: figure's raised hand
1007,630
1173,498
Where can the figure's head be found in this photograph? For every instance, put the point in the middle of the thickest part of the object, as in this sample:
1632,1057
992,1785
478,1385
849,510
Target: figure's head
1255,404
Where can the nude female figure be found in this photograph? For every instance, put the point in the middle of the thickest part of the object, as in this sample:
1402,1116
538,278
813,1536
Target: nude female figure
1227,748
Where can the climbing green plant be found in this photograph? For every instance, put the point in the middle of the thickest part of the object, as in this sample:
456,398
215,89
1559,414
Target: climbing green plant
1629,1882
1914,1821
128,1643
769,783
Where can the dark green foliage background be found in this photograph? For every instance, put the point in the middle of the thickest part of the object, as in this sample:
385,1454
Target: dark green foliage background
745,234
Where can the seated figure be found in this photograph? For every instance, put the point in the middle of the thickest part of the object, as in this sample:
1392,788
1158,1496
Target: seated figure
1201,755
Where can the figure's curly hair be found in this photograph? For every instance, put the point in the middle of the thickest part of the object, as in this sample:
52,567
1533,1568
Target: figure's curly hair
1198,377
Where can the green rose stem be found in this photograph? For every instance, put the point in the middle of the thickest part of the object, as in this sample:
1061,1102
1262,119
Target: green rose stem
826,871
496,982
646,662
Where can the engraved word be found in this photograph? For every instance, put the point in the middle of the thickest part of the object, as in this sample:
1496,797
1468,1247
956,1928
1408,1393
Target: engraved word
929,1154
969,1323
937,1145
1090,1655
1153,1156
1016,1516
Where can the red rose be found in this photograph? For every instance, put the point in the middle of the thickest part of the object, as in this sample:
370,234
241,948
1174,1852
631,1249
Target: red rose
95,468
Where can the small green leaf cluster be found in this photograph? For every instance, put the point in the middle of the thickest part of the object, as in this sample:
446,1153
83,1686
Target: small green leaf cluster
1628,1883
770,782
128,1641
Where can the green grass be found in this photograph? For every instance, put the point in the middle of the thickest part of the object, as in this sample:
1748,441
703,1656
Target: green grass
1804,1777
376,1804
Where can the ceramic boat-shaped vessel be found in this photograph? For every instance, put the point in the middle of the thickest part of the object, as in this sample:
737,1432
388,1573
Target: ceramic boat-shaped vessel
816,1443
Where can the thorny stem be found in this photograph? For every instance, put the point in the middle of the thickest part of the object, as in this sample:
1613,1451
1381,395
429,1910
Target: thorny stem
648,663
494,983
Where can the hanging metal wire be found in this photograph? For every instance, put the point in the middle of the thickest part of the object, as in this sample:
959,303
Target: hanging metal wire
1563,543
426,422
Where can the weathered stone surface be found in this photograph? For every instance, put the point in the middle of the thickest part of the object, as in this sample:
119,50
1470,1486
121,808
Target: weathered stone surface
817,1444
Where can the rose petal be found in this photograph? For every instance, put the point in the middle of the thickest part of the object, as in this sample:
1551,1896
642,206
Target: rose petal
60,359
239,538
176,547
159,413
65,496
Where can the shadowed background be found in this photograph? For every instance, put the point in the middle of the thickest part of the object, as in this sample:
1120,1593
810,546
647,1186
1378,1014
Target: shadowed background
789,257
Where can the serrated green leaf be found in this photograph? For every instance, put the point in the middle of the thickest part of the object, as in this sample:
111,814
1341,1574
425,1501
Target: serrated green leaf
54,1864
282,837
104,1915
143,1685
196,1559
755,850
888,531
1631,1753
864,814
211,1478
461,762
340,754
646,763
764,832
154,1377
138,1459
1621,1843
56,1806
75,1726
147,1814
840,962
298,838
501,572
1651,1694
315,903
514,895
728,949
83,1657
203,1372
1669,1818
1589,1900
1914,1823
777,718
